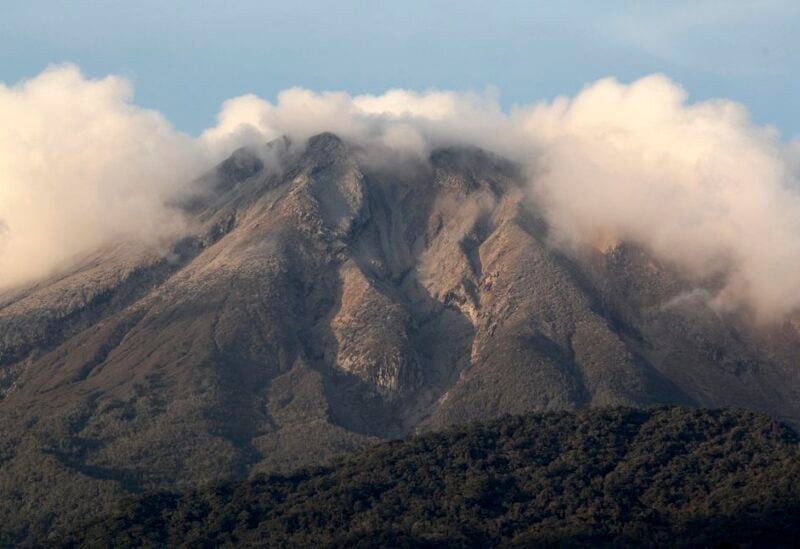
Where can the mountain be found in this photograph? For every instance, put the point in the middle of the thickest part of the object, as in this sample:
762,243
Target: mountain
619,477
326,299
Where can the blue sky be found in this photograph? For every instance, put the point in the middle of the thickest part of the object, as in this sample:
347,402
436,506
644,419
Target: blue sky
187,56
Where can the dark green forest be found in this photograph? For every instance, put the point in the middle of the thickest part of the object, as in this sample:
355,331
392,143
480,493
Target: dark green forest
613,477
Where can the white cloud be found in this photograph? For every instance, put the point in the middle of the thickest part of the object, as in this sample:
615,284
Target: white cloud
79,166
696,183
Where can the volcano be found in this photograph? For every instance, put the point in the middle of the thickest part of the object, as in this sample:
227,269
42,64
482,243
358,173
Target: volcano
325,300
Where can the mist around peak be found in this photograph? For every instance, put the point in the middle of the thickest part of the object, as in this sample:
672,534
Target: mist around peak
696,183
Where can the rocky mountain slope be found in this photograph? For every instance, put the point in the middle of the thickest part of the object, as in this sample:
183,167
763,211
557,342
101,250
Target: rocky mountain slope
326,300
608,478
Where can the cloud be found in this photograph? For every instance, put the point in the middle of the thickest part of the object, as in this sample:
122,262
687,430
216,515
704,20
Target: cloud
698,184
435,116
80,166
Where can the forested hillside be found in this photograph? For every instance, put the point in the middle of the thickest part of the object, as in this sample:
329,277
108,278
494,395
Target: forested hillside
667,476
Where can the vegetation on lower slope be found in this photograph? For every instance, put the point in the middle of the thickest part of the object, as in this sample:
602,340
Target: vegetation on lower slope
665,476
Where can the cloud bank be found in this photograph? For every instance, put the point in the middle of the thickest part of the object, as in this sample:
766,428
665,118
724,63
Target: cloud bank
698,184
80,166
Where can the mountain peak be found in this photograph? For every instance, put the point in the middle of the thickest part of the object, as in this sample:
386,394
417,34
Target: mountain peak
240,165
323,305
325,141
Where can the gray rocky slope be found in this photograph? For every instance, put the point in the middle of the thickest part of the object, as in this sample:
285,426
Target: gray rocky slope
324,302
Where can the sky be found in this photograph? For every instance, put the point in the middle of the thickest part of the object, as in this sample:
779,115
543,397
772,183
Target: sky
185,57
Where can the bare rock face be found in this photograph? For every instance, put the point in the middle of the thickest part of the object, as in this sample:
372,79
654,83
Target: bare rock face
372,337
322,304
